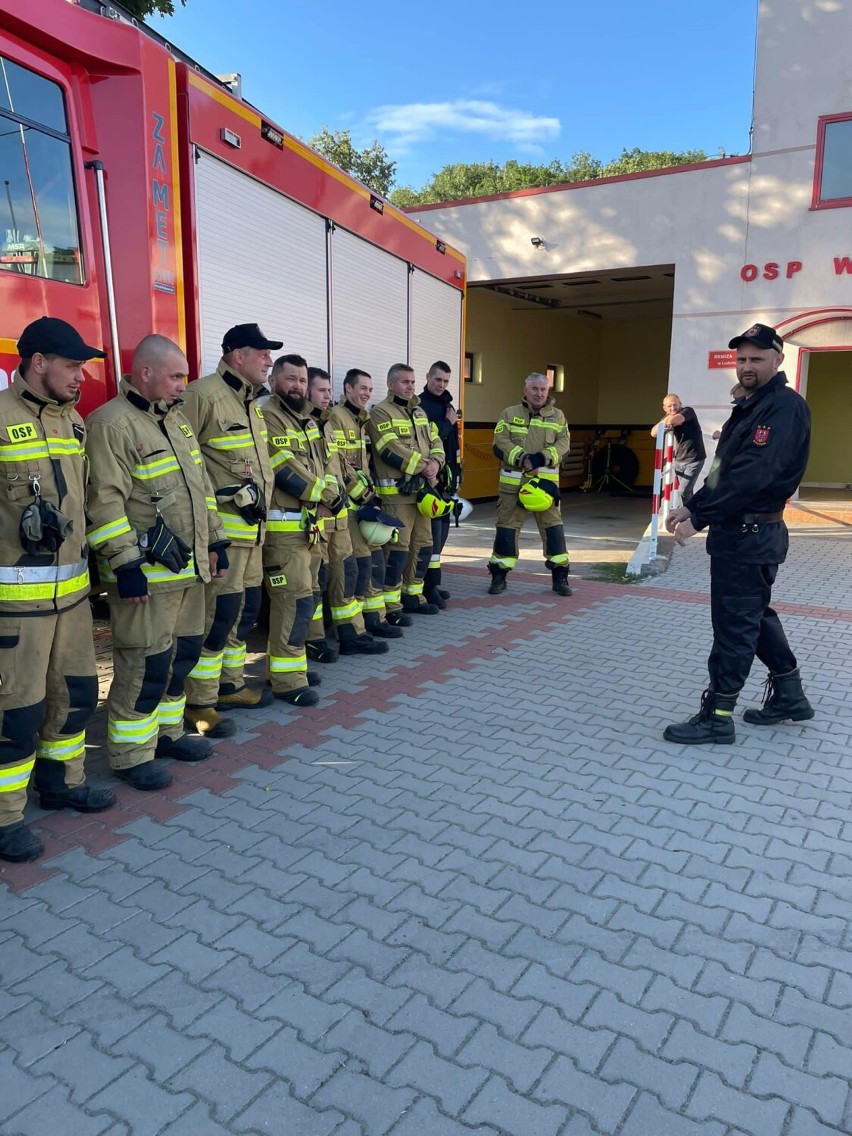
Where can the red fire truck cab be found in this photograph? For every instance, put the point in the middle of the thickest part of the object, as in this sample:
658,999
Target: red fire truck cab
141,194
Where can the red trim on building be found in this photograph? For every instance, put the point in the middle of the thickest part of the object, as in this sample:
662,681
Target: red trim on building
816,200
532,192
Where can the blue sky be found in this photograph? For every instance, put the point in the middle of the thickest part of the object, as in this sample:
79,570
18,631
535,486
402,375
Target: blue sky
470,80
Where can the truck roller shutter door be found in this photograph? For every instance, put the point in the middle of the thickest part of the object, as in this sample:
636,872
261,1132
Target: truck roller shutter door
261,259
369,289
436,322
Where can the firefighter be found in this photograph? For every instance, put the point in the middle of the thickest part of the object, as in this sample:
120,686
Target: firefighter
48,682
301,500
437,402
530,440
225,414
759,462
407,456
339,557
154,524
348,419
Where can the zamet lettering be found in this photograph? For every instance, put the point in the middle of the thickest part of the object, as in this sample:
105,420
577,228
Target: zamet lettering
164,277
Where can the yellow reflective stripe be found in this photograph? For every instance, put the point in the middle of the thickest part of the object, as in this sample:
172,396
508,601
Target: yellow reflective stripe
154,573
170,712
235,441
233,657
237,529
133,731
412,463
392,595
519,429
62,749
144,471
207,667
103,533
547,474
196,456
58,447
415,589
552,453
504,561
384,441
348,611
279,665
284,526
514,454
24,451
210,502
279,457
16,777
374,603
388,491
51,591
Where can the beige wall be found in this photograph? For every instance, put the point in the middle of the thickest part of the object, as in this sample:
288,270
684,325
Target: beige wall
829,395
634,370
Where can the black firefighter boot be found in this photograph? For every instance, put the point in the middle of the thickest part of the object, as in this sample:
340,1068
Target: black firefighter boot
714,722
498,579
560,581
431,591
351,643
783,697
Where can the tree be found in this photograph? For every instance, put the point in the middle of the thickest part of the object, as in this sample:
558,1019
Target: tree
371,165
142,8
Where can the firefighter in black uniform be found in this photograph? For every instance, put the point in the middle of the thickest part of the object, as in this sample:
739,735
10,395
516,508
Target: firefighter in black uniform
437,403
759,462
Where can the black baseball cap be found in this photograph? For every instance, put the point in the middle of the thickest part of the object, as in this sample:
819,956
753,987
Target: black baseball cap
51,336
761,336
248,335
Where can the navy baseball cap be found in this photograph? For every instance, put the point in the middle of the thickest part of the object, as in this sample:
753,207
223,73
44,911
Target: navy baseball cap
248,335
761,336
51,336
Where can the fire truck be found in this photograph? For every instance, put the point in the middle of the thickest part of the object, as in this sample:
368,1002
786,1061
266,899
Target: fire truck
142,194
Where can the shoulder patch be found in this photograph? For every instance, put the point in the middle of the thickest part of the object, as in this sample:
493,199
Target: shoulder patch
185,430
384,425
279,442
22,432
761,435
519,421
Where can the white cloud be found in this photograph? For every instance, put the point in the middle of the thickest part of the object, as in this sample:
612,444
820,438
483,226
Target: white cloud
407,124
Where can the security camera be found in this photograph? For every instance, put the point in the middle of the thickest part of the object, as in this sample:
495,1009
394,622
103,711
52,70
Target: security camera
537,242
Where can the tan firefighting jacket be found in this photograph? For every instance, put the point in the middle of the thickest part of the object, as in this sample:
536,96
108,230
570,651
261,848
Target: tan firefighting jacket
348,425
227,418
297,455
402,440
144,458
520,430
41,443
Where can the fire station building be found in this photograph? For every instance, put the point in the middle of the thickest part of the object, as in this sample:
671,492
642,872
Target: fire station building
625,288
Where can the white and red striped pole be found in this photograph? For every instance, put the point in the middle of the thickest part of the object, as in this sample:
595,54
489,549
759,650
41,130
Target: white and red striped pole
668,474
655,501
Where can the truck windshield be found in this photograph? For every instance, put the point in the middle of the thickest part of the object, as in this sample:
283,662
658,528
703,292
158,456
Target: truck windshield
39,233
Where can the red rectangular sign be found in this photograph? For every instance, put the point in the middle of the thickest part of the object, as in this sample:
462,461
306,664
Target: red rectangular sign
719,360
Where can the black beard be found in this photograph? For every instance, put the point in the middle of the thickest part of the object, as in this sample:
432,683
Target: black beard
294,401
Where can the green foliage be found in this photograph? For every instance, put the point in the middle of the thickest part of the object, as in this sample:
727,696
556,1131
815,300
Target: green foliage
371,165
480,179
142,8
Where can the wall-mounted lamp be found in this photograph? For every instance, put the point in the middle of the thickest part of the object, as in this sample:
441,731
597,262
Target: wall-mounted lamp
377,203
537,242
440,246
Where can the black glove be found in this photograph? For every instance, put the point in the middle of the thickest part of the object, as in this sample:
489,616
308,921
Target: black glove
43,527
162,546
221,555
536,460
410,485
336,505
131,581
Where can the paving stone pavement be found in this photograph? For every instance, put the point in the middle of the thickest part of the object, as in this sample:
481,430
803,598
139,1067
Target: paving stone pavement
473,893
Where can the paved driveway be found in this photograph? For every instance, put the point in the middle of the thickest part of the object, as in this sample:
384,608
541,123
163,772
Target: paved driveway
473,893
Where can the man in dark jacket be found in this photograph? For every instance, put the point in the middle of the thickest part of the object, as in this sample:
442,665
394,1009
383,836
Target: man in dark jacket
759,462
437,402
689,452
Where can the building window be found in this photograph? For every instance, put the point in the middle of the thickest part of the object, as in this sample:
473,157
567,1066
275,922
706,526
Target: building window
833,167
472,368
555,377
39,234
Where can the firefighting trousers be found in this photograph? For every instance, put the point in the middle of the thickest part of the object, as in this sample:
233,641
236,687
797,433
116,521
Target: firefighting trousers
155,646
407,560
232,607
440,533
510,520
345,607
744,625
370,581
287,579
48,692
319,587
